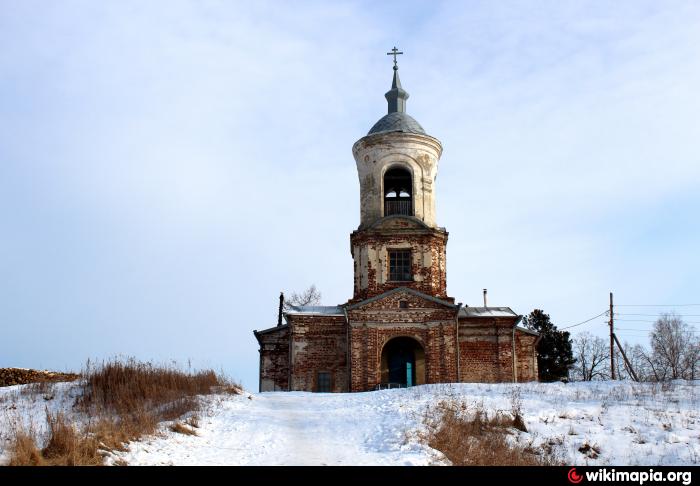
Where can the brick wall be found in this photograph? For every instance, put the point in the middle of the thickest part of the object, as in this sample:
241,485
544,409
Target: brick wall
486,351
318,344
429,323
370,254
274,359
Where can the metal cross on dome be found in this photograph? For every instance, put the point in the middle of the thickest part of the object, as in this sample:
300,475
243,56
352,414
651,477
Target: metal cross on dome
394,52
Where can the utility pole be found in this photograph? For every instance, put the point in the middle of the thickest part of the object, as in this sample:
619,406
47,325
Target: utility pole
612,337
627,362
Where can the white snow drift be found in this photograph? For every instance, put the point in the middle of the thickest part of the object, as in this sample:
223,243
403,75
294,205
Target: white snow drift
628,423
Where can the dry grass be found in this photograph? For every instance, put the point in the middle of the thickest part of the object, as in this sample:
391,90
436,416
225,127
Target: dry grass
125,400
67,446
469,438
180,428
44,388
23,450
127,388
141,395
64,446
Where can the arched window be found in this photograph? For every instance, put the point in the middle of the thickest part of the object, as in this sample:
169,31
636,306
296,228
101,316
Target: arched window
398,191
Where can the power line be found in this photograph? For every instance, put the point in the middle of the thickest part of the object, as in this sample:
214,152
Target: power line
649,330
584,322
636,320
657,305
632,314
643,320
631,334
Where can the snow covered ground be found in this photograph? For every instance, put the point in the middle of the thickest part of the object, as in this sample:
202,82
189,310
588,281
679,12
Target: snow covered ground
629,423
26,405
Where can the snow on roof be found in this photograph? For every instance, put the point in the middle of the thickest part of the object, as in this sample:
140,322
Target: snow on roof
314,310
487,312
527,331
270,329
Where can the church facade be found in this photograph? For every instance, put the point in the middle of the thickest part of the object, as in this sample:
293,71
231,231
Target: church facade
400,328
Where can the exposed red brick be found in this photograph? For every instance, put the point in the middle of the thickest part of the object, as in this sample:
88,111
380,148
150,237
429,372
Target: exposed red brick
424,243
320,343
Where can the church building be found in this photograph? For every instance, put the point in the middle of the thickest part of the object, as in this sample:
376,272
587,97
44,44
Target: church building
400,328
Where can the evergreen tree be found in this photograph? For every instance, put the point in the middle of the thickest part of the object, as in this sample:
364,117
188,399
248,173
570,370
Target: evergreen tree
554,354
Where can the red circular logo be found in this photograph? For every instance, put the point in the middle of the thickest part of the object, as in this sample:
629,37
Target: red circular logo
574,477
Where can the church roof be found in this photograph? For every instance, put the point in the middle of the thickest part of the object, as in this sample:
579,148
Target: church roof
487,312
526,330
397,122
270,329
315,310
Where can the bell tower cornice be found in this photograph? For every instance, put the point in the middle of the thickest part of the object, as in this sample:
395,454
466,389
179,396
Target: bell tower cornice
397,138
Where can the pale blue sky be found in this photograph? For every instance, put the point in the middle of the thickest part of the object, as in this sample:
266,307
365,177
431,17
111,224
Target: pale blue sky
167,167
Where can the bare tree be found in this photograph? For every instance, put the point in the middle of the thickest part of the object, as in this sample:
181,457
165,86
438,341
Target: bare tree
592,355
637,356
310,296
674,349
691,359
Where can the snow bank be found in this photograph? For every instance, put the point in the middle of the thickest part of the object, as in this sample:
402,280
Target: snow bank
629,423
25,406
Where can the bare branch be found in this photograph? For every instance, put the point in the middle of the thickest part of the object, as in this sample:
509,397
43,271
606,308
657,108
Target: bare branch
675,352
310,296
592,356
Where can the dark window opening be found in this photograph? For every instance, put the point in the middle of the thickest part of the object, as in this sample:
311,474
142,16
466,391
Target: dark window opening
398,190
323,382
400,265
403,304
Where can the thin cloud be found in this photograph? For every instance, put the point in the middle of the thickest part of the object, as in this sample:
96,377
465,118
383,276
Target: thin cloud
167,168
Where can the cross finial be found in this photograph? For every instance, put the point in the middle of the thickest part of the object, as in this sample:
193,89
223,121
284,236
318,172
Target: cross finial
394,52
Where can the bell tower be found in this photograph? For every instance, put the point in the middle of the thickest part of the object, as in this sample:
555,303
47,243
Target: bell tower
398,242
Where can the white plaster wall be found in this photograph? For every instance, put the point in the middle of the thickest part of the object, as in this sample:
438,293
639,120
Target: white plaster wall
377,153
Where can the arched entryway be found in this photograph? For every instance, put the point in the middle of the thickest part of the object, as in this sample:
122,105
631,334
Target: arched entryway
403,362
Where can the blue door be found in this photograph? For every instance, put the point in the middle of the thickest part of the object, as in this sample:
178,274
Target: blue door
402,361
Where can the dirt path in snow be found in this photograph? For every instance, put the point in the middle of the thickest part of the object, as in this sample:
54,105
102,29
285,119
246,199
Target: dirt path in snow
300,427
285,429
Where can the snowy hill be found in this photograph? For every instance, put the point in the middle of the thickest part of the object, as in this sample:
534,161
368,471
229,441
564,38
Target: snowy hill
628,423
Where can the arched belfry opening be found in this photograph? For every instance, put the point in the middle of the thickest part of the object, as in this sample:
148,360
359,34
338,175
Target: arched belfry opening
398,192
403,362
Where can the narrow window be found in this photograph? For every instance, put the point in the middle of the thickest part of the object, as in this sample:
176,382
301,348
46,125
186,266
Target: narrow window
400,265
323,382
403,304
